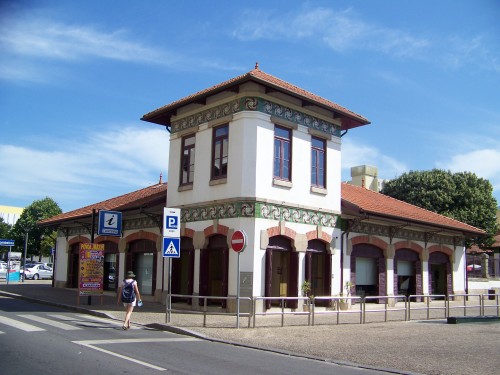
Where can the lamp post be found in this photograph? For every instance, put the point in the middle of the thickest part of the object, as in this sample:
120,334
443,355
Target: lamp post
25,251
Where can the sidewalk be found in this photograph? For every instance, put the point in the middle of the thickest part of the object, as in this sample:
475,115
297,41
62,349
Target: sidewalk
427,347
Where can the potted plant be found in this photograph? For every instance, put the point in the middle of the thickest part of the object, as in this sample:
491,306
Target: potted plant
344,303
306,290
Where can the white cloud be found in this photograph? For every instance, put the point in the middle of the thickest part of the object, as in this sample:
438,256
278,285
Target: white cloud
345,31
339,30
86,170
485,163
30,48
53,40
355,154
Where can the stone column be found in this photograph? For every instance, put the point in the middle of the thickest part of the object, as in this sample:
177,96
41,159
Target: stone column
389,265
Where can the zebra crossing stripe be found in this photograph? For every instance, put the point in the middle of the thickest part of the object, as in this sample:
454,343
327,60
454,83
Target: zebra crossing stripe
50,322
20,325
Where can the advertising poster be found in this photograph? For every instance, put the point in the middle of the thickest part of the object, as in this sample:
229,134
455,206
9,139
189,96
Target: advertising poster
91,269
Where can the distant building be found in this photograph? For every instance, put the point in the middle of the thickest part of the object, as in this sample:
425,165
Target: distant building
366,176
10,214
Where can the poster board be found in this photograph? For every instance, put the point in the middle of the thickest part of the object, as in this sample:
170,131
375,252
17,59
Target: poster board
91,271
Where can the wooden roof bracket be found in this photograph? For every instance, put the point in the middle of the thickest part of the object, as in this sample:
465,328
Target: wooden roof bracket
158,219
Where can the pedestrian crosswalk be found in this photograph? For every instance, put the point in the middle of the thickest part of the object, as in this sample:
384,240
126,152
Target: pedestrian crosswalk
42,322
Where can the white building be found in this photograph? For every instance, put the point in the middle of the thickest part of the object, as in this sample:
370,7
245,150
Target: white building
10,214
259,154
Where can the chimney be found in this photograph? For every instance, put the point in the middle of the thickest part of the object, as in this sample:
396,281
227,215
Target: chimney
365,176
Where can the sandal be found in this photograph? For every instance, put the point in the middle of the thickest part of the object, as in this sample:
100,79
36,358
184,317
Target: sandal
124,328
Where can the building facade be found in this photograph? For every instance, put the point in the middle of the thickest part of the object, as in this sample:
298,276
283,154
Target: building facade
258,154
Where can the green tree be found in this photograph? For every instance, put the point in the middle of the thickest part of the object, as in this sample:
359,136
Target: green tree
4,229
38,238
4,234
461,196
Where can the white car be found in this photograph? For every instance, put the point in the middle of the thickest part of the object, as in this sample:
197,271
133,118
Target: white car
3,270
38,271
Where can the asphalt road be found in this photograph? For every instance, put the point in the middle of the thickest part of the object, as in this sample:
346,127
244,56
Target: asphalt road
38,339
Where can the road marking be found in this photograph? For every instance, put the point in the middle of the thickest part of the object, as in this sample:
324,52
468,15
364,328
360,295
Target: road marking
92,344
53,323
102,320
19,325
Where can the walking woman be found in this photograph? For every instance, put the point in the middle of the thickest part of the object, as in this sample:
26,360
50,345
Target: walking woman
129,294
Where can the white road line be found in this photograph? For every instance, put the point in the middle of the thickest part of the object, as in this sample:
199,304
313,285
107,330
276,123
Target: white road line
19,325
53,323
97,319
91,344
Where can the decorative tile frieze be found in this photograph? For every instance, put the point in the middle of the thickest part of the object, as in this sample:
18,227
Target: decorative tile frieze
255,104
129,224
258,210
298,117
295,215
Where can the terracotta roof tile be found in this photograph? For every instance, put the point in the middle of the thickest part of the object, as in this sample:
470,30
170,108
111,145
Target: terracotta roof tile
130,200
372,203
264,78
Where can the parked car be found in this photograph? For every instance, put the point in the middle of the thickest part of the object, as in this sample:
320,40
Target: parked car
38,271
3,270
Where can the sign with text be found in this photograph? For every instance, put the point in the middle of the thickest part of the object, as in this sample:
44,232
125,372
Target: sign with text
172,222
6,242
91,269
110,223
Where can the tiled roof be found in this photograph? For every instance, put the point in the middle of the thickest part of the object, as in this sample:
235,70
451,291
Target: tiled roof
135,199
365,201
350,120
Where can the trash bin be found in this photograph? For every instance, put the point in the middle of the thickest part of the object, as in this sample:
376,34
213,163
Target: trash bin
491,294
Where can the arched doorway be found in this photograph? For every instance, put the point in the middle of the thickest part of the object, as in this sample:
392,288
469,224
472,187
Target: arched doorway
142,260
73,265
111,261
407,273
318,269
368,270
183,270
439,273
281,277
214,262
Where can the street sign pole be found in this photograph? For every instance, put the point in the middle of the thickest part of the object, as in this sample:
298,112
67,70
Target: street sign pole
238,244
7,275
238,294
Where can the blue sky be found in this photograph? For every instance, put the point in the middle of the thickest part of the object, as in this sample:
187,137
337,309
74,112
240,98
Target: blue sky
76,76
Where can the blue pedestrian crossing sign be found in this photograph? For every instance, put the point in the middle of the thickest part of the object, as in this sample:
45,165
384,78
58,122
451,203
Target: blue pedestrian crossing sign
171,247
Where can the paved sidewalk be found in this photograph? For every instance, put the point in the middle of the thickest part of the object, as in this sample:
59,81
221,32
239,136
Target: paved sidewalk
427,347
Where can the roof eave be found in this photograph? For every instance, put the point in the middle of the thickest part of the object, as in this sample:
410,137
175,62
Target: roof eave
162,115
355,210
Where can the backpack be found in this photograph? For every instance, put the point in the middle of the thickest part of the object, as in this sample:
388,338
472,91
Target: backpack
128,293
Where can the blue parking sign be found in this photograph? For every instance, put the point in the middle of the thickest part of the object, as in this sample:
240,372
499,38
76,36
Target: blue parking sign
171,222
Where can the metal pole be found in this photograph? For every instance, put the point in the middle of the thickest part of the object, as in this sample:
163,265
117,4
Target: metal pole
8,266
238,293
25,251
92,235
169,289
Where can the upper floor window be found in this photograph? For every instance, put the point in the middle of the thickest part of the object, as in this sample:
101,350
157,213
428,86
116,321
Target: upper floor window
187,160
318,161
282,153
220,151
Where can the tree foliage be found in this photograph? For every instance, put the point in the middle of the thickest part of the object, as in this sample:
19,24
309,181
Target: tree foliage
40,240
461,196
4,229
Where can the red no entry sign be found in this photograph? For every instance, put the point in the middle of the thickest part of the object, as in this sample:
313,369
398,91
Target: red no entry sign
239,241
